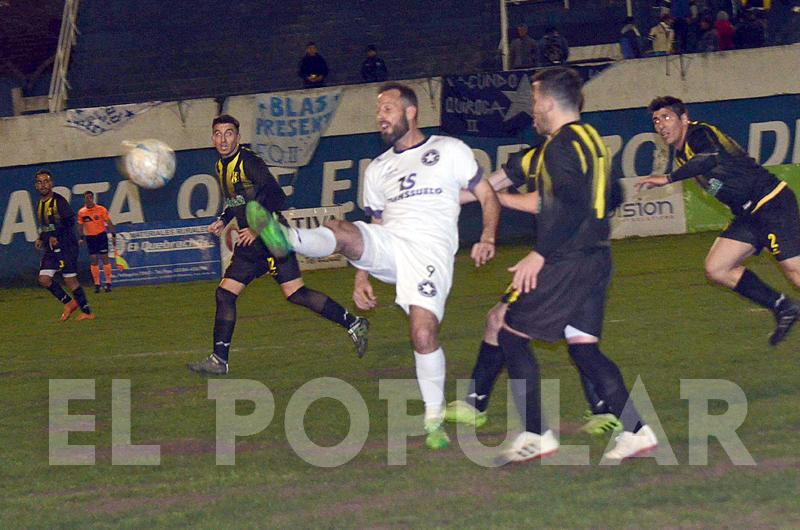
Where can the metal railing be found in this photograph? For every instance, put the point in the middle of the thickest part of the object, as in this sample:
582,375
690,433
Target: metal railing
59,86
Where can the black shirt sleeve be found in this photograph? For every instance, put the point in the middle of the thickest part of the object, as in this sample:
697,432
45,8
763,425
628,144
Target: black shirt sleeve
564,210
518,166
706,155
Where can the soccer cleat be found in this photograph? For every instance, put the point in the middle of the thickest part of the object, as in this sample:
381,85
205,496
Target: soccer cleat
359,332
786,314
268,228
462,412
631,445
69,308
437,438
96,289
86,316
600,424
107,288
529,446
211,365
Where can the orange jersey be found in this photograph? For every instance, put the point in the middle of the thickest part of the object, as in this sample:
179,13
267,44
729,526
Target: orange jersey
94,220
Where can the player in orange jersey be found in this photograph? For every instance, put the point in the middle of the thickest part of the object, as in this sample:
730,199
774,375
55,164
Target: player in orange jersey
95,224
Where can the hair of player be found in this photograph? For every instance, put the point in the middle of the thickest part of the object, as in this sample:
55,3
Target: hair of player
668,102
226,118
89,193
562,84
43,172
407,95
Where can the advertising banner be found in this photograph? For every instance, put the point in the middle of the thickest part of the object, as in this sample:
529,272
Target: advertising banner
97,120
177,251
312,218
653,212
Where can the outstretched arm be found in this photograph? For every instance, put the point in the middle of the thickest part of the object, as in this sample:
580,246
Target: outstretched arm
484,250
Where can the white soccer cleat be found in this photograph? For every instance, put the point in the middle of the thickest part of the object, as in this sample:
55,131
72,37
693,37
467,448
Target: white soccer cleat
631,445
529,446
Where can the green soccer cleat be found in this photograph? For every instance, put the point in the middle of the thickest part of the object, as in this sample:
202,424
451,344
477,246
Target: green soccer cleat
462,412
600,424
359,332
268,228
437,438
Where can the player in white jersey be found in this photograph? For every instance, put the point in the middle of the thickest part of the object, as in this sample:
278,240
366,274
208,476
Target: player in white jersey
411,192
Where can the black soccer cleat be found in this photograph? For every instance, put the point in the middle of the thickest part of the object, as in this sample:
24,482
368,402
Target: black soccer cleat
107,288
786,314
96,289
359,332
211,365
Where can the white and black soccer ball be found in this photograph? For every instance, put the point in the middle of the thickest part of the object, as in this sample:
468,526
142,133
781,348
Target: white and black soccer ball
149,164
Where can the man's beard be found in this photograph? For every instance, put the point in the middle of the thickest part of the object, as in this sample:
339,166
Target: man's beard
397,132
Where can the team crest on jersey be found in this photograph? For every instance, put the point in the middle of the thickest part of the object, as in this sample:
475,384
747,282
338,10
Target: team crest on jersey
426,288
430,157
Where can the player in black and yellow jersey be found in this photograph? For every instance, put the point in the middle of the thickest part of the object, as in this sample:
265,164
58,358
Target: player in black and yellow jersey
519,173
57,238
765,209
560,287
243,177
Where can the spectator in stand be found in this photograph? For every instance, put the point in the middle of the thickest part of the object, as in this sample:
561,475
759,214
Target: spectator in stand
709,41
749,33
553,48
522,52
373,68
312,69
630,41
661,36
725,31
679,9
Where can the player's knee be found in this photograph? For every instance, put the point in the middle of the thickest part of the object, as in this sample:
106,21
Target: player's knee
425,340
45,281
600,370
224,296
716,274
494,322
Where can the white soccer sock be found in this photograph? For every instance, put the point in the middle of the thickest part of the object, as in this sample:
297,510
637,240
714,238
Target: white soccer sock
430,376
312,242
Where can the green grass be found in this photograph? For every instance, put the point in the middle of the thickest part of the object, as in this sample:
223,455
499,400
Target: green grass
664,323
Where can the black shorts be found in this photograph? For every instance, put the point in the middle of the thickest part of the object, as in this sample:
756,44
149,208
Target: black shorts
776,227
66,261
253,261
571,292
97,244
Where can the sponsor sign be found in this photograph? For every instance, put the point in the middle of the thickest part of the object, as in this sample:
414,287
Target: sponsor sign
312,218
653,212
166,252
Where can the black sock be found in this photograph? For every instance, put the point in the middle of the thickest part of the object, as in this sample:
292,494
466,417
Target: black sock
596,403
80,297
524,373
484,374
751,287
607,381
58,292
224,322
323,305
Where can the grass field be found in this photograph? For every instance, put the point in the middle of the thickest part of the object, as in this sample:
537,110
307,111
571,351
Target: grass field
664,323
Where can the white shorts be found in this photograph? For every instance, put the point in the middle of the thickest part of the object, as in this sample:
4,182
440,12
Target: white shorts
422,272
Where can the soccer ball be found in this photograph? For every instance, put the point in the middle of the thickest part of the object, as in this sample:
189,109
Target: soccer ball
149,164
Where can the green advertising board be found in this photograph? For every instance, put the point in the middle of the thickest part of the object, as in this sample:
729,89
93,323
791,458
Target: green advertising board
704,213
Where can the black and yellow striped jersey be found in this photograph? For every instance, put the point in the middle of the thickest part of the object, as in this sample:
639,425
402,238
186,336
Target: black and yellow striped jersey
244,177
724,169
56,218
571,171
